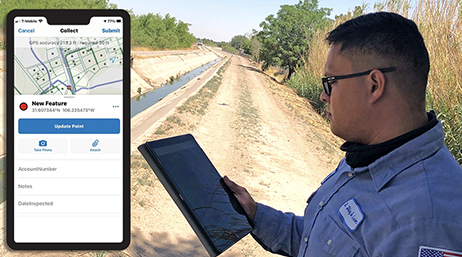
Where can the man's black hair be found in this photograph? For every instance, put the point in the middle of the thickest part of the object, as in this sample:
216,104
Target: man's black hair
392,38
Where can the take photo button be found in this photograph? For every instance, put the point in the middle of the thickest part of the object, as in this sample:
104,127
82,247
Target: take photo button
69,126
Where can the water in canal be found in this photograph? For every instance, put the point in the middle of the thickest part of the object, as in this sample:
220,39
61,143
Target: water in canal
144,101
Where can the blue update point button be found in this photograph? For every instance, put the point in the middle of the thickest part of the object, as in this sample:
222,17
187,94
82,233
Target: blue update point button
69,126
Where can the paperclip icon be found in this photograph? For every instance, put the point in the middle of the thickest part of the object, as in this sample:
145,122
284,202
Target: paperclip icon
95,143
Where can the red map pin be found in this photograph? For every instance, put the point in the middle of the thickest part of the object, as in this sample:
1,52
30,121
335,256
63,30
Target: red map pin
23,106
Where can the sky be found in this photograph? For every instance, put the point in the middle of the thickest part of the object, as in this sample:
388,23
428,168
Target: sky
220,20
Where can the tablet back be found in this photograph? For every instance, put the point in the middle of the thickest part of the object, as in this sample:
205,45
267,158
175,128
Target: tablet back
194,184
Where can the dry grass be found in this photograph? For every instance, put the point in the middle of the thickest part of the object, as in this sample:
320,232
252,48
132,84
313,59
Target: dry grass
440,23
276,73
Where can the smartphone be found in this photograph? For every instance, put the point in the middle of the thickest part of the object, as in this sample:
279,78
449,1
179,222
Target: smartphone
68,129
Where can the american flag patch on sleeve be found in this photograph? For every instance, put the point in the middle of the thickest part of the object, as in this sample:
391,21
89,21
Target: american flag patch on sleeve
425,251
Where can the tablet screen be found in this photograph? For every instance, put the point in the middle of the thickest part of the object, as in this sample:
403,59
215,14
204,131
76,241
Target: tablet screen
198,183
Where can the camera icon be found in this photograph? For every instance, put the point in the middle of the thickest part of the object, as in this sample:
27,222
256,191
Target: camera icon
42,143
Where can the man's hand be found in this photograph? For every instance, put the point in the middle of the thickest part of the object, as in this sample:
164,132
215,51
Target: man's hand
244,198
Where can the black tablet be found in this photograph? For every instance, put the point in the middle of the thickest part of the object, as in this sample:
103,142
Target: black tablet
68,129
194,184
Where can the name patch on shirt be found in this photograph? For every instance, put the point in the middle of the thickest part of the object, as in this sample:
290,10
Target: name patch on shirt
351,214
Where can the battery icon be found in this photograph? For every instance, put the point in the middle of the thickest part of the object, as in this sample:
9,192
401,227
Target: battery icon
118,21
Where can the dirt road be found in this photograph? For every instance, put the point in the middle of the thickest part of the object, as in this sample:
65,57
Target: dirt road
254,130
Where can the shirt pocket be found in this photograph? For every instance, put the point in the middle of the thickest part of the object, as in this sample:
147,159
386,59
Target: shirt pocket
330,240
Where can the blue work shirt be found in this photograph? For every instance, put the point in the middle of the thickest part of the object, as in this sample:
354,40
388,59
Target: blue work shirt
408,198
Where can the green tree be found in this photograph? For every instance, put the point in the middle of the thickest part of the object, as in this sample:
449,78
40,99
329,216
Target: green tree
285,37
185,38
247,46
208,42
229,48
157,32
237,41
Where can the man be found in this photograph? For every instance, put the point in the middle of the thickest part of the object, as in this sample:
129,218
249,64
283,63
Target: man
398,191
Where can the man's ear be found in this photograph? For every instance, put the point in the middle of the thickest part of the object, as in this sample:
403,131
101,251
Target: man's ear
377,82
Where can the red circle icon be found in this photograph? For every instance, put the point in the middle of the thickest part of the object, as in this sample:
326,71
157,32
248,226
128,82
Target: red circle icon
23,106
69,87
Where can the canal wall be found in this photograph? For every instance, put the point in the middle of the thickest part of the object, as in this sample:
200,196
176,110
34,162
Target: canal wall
150,73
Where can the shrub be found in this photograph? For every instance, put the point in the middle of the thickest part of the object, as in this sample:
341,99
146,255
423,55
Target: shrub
307,85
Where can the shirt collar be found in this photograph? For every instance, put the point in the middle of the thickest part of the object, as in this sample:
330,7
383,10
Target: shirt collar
360,155
387,167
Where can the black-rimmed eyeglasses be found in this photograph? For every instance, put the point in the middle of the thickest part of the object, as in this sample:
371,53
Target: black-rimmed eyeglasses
327,81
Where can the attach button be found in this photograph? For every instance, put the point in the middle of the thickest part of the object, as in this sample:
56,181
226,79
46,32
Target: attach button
321,203
305,239
329,242
350,174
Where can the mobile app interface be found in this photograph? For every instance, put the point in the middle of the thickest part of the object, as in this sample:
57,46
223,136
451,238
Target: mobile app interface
68,131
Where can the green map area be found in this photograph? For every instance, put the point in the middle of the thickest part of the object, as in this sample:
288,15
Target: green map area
68,66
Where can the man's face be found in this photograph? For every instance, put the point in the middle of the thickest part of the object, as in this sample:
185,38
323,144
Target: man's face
346,105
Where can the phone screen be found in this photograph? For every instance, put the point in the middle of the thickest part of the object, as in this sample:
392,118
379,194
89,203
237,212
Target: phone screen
68,127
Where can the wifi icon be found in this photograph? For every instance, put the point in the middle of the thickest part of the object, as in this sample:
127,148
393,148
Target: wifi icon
40,20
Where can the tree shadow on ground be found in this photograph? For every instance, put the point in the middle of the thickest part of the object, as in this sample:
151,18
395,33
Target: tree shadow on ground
250,68
163,244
